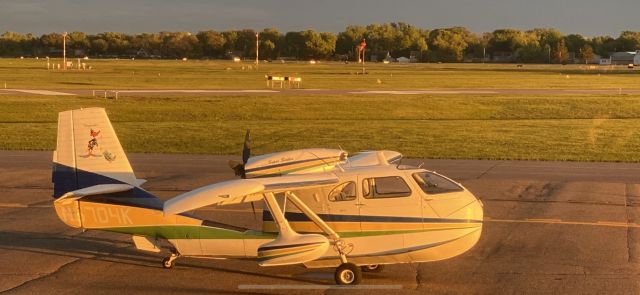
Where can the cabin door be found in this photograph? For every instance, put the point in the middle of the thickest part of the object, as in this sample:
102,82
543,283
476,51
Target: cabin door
388,204
342,204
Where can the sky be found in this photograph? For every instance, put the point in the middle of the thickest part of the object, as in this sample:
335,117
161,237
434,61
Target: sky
586,17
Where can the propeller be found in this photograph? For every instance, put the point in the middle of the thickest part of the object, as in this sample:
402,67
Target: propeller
238,167
246,149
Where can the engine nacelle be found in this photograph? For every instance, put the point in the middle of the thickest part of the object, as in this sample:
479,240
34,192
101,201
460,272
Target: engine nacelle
294,162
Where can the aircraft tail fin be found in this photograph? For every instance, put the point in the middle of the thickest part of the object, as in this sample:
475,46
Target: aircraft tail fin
88,153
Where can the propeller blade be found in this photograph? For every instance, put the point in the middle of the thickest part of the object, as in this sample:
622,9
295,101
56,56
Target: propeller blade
246,149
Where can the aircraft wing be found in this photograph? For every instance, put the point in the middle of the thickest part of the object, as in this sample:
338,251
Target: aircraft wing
242,191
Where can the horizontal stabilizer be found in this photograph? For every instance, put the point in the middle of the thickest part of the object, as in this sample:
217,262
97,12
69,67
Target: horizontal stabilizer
96,190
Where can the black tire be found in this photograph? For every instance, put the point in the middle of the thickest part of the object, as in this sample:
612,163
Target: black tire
348,274
373,268
167,263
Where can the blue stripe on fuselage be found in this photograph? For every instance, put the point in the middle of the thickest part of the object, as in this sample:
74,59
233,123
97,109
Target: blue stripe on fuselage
296,216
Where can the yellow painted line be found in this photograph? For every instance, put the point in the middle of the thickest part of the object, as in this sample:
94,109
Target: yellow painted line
13,205
562,222
546,220
611,223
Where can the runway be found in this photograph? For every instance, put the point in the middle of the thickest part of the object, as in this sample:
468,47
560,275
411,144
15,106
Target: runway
551,228
294,91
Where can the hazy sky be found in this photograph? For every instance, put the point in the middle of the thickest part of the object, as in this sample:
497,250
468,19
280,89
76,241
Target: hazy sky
587,17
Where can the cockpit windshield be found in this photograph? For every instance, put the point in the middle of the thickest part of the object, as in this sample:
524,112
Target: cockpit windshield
432,183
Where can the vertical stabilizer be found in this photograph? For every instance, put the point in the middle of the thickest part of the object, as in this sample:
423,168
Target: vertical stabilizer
88,152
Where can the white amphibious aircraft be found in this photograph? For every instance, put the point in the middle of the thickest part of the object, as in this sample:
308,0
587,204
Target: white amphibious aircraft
354,213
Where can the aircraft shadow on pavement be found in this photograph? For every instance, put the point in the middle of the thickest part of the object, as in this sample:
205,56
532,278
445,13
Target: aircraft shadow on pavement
115,251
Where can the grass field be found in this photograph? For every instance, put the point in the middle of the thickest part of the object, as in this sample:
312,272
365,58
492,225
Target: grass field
167,74
567,127
533,127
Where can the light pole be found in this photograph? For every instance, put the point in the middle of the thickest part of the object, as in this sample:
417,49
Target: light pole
64,51
484,54
257,48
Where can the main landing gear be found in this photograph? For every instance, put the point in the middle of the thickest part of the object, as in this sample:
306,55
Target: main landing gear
169,262
351,274
348,274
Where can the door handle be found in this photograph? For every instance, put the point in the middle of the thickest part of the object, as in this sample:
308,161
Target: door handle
359,205
428,199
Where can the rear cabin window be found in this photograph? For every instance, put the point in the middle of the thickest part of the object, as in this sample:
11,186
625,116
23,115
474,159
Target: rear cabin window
432,183
385,187
343,192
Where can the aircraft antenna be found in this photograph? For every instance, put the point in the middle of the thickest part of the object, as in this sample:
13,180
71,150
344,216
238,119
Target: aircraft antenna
323,161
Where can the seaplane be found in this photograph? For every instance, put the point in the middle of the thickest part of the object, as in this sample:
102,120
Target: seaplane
322,207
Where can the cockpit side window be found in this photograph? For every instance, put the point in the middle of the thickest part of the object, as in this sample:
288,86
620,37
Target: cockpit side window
343,192
385,187
432,183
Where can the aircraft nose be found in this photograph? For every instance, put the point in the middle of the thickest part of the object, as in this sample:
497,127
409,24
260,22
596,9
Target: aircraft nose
475,210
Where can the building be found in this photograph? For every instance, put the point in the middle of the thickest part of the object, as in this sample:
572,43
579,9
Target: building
623,58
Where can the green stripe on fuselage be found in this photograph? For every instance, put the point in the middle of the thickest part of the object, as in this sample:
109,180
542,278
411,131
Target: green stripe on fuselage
206,232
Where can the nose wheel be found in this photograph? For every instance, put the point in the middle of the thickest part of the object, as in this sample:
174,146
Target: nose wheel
348,274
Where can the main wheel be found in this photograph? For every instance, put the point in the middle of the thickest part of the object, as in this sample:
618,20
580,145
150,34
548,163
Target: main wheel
348,274
373,268
168,263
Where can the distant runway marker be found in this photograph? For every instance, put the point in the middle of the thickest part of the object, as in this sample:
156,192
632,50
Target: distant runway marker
423,92
197,91
40,92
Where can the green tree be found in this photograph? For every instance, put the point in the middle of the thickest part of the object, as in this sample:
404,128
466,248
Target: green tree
586,53
151,44
230,40
11,44
506,40
448,44
560,53
628,41
270,43
180,44
294,43
212,43
318,45
575,42
78,41
604,45
529,49
346,41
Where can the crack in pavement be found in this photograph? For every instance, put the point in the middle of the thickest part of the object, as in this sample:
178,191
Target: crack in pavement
418,283
74,260
115,244
626,198
487,171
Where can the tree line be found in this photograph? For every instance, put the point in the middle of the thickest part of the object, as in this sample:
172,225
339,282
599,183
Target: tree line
454,44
